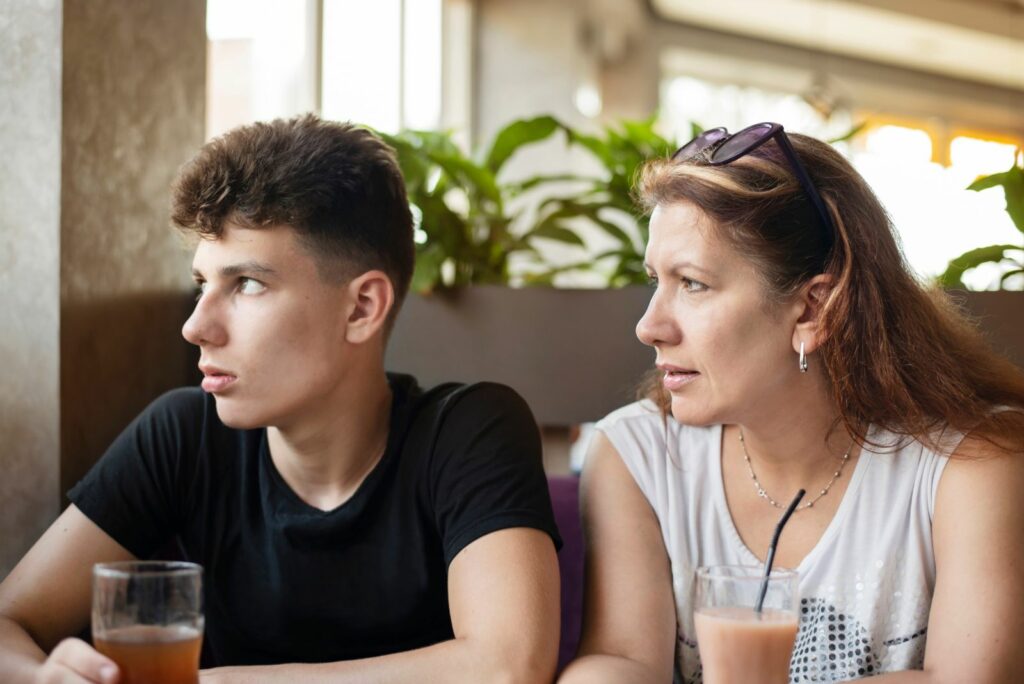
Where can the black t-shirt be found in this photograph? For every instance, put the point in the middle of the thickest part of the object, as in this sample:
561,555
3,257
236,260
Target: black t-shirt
286,582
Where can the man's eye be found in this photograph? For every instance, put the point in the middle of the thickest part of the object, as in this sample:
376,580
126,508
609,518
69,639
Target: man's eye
200,289
250,287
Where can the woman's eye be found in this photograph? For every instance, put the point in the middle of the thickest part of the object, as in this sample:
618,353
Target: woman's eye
200,289
693,285
652,280
250,287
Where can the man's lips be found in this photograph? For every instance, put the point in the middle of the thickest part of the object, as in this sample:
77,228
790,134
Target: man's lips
676,377
215,379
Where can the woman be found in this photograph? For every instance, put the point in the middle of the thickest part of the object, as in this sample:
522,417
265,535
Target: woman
796,350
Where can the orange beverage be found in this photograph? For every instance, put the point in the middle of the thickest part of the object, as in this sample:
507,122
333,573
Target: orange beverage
740,646
148,654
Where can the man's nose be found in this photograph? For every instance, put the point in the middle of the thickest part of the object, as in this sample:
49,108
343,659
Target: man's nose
203,326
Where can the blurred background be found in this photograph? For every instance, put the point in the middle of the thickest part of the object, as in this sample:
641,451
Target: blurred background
529,113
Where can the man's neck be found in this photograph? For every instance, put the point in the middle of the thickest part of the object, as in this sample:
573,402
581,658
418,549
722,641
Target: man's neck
325,455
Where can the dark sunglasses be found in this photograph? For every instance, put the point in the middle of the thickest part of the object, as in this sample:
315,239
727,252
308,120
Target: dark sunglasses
728,147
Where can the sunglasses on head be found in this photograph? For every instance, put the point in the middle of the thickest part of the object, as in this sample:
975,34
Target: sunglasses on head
728,147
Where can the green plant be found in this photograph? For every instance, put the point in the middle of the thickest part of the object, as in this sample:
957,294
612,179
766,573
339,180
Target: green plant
606,202
466,232
1010,256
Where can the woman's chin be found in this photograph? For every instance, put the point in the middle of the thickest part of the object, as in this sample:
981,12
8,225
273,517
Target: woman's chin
686,413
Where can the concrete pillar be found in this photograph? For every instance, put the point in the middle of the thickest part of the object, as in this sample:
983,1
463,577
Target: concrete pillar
102,115
30,125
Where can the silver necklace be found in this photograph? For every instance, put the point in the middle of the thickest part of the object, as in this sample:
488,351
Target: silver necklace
764,495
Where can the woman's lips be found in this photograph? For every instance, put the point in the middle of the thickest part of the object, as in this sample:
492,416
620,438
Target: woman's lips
217,382
677,379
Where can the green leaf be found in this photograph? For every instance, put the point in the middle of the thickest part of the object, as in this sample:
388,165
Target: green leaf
952,277
552,230
568,208
427,274
986,182
1009,274
515,135
534,181
1012,182
850,134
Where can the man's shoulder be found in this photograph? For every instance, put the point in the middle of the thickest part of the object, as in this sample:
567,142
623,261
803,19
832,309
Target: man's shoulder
475,400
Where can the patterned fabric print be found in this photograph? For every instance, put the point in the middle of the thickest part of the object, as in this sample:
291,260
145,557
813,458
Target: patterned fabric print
830,646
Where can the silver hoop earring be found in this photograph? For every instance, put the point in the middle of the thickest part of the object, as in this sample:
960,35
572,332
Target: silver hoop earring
803,359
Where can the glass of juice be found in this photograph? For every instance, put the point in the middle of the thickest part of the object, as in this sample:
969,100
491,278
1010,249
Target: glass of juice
147,617
738,644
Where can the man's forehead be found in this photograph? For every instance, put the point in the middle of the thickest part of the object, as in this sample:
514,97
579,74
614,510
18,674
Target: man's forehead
266,250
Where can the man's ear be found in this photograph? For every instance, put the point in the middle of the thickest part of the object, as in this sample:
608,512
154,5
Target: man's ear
811,300
371,298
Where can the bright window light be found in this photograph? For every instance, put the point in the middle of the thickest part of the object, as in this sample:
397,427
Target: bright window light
421,101
979,157
261,60
906,145
936,217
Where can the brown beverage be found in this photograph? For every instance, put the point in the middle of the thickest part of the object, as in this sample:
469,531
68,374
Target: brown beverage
149,654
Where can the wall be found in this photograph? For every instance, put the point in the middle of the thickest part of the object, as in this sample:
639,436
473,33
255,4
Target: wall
30,118
134,103
102,101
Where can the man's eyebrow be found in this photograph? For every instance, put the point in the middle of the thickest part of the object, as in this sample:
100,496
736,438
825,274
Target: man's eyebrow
243,267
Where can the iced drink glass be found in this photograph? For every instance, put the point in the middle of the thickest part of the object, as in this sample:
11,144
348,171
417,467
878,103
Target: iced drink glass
147,617
737,644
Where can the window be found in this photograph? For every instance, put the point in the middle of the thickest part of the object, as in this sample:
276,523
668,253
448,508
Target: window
376,63
919,169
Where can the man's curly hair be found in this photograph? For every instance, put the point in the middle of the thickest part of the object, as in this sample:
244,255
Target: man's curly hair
337,185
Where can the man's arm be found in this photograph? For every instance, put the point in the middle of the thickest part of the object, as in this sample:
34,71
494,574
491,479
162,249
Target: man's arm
503,593
629,625
47,598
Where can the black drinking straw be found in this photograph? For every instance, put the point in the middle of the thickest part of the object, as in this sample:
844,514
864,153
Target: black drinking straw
771,549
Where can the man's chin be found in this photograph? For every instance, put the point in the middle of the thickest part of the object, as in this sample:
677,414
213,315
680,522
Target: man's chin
232,417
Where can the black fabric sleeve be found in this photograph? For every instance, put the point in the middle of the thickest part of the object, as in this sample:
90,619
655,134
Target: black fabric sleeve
486,472
135,492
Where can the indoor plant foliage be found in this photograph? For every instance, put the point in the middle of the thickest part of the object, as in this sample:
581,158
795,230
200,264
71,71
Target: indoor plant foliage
1011,257
467,230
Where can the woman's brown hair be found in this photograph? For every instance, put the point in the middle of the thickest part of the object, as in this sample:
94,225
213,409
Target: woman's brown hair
897,354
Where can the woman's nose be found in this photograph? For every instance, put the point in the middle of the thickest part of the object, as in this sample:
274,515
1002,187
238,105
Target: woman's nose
656,326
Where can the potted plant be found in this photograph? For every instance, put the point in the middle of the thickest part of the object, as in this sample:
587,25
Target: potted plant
461,322
1000,312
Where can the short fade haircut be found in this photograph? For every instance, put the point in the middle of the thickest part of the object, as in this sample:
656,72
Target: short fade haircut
337,185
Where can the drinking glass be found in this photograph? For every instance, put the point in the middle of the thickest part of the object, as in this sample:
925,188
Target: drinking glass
738,644
147,617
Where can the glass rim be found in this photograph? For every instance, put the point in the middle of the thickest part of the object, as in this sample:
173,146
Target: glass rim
744,573
127,569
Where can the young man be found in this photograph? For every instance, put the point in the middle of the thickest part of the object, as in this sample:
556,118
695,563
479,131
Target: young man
352,527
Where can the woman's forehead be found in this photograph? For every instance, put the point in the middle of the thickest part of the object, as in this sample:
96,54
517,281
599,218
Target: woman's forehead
683,227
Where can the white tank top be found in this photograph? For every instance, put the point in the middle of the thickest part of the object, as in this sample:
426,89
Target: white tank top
865,588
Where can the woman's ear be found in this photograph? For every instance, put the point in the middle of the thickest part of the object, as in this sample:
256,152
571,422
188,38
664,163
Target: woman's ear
811,300
371,297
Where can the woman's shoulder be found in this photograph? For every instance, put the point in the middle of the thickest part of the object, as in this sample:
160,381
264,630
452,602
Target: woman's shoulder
642,429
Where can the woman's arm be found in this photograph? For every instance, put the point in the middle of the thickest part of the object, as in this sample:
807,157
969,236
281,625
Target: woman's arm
976,625
629,624
503,595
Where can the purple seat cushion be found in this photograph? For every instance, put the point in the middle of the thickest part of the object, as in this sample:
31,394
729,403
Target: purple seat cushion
565,500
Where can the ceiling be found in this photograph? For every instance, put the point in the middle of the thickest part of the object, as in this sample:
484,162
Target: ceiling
974,40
